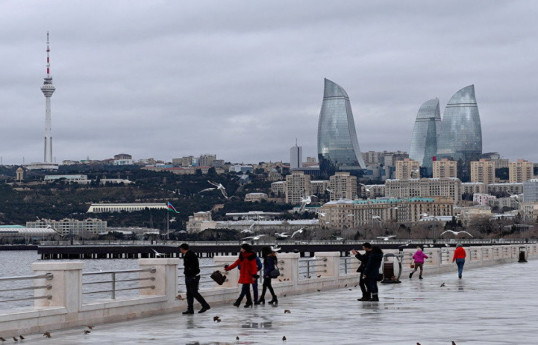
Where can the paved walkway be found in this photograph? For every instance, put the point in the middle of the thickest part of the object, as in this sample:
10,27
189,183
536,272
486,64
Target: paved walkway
489,306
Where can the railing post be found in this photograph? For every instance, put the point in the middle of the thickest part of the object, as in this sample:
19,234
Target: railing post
288,263
332,262
165,277
66,285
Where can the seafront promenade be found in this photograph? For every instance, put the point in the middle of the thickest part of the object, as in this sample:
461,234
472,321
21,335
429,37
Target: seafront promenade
318,291
489,306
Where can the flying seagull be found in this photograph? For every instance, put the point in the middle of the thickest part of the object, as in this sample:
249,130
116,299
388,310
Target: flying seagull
249,230
456,232
157,254
219,187
386,238
300,231
282,234
254,238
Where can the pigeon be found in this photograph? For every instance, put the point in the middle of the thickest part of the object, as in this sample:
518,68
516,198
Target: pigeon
287,311
443,285
15,339
90,327
216,319
22,338
319,290
87,332
47,334
237,338
284,338
2,339
179,297
453,343
319,275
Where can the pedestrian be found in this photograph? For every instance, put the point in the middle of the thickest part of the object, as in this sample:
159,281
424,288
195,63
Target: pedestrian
269,264
259,266
459,257
192,279
247,272
371,270
418,259
363,258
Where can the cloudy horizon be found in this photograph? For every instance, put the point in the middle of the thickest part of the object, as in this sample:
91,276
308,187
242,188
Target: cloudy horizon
243,80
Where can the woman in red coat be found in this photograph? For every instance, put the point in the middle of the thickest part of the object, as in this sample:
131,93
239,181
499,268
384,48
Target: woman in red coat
459,257
248,272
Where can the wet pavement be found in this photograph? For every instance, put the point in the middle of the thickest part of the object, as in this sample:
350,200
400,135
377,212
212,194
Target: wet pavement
489,306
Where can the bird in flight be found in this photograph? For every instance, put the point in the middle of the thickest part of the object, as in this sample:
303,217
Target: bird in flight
456,232
300,231
254,238
218,186
386,238
282,234
157,254
249,230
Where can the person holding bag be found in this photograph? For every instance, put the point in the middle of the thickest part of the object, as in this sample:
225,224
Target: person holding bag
248,272
269,270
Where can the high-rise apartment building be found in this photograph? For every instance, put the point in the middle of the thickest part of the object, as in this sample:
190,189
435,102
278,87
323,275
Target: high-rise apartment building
461,132
520,171
530,190
483,171
343,186
338,146
297,187
407,169
206,160
296,157
424,138
445,168
425,187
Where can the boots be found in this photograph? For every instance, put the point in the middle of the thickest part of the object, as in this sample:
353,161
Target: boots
374,298
260,301
364,298
249,301
237,303
411,275
274,300
420,276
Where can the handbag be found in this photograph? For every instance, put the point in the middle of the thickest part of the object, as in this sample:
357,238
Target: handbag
412,265
218,277
274,273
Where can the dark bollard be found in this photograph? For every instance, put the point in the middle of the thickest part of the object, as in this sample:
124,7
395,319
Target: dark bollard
522,257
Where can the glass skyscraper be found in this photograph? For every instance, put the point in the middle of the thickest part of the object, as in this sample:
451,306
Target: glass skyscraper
461,133
338,147
425,133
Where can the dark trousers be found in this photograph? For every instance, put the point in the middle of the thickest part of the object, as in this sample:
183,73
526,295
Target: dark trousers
267,286
372,284
192,292
245,291
363,284
255,290
460,263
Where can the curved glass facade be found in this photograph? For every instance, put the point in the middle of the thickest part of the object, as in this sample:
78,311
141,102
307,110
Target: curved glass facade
425,133
338,146
461,132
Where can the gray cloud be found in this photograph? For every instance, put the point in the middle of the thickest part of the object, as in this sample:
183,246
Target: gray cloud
244,79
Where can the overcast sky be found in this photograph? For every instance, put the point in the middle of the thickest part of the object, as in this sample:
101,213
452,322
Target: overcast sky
243,79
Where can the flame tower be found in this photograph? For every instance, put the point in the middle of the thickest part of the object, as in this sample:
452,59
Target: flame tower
48,89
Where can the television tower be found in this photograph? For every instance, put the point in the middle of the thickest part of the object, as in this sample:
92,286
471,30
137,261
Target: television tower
48,89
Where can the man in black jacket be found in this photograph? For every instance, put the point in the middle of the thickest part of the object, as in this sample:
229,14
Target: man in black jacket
371,271
192,280
363,258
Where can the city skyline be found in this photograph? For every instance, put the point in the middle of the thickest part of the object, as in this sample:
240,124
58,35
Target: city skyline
166,80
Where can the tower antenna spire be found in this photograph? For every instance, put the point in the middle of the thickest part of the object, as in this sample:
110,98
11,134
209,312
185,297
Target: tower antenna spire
48,55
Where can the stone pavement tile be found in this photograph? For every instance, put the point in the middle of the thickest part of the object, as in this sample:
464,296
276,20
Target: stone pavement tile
489,306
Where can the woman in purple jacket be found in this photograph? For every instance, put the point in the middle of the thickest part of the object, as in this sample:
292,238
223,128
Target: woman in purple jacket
418,258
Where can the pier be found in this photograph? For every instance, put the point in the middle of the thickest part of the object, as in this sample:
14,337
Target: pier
320,292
